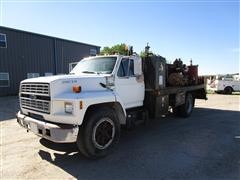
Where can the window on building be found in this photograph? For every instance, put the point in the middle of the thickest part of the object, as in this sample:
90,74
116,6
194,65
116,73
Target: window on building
4,79
32,75
48,74
72,65
3,41
93,52
126,68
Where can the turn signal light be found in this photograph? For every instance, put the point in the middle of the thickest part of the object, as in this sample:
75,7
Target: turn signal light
81,104
76,89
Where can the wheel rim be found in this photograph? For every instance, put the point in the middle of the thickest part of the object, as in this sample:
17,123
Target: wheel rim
189,104
103,133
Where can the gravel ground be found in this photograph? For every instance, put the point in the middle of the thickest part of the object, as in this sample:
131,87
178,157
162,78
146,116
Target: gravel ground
204,146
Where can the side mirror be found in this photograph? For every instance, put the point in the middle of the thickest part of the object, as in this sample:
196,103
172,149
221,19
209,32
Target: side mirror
137,66
138,69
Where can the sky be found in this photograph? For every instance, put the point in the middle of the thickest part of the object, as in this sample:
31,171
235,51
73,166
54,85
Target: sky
205,31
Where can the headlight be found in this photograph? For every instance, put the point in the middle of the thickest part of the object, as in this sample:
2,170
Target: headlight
68,107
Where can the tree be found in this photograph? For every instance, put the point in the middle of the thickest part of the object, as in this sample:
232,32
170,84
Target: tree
119,49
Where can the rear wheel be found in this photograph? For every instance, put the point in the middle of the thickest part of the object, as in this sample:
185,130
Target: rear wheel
228,90
186,109
176,111
99,133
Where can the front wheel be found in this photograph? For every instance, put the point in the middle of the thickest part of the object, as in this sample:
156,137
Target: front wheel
99,133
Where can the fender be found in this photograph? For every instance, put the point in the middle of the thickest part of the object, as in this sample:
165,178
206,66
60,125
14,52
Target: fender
118,99
108,100
88,99
121,108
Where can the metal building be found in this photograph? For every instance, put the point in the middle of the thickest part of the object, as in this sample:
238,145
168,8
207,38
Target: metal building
26,55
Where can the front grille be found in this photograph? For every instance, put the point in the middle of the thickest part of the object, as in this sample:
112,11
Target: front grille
35,96
35,104
35,88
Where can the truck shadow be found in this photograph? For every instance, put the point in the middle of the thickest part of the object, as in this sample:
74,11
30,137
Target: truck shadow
168,148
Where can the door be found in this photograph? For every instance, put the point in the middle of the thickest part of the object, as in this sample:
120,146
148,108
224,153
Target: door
128,87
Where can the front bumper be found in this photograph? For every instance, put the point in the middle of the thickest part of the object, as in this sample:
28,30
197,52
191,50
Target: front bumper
62,133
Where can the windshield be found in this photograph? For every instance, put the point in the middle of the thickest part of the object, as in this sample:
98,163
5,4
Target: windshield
96,65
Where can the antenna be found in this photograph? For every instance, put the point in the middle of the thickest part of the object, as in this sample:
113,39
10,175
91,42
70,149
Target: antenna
147,49
130,50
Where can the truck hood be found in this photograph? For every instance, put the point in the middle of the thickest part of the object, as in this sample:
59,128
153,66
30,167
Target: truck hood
61,84
49,79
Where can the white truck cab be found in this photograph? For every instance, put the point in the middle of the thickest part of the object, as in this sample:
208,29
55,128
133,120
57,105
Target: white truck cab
54,107
102,93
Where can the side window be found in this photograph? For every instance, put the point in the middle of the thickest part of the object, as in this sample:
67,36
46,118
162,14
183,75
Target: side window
131,68
126,68
48,74
72,65
32,75
4,79
120,71
93,52
3,40
123,68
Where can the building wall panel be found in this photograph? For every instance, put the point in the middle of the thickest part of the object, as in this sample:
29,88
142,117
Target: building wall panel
33,53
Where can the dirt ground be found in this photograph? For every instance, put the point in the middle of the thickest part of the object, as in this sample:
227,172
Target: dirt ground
204,146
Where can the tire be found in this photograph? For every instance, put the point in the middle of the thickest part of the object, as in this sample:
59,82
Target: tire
99,133
228,90
186,109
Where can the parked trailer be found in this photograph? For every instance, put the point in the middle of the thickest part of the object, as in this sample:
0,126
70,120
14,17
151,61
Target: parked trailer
103,93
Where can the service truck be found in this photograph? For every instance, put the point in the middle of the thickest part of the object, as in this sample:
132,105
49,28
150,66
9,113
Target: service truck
226,84
103,93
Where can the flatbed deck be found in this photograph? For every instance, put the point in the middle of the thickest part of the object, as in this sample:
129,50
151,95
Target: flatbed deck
175,90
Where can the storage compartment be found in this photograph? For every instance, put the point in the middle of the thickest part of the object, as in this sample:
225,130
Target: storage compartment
162,104
156,105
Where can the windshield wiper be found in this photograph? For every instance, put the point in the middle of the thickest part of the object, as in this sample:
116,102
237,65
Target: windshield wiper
104,72
89,72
